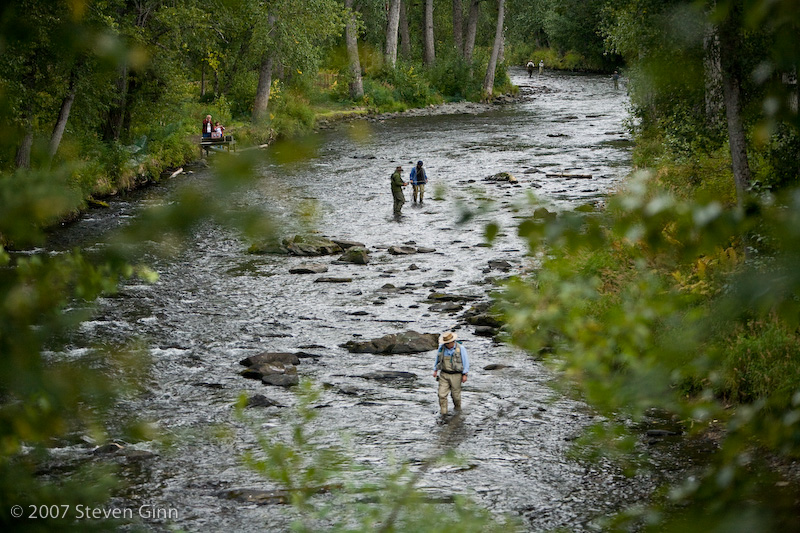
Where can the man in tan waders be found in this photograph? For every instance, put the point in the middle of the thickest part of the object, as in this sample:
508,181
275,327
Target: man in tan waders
450,369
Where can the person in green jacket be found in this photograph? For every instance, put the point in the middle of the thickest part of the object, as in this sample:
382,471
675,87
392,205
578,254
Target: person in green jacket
397,190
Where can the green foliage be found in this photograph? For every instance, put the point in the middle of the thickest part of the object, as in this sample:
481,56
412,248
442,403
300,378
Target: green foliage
651,305
381,96
565,34
761,362
410,85
453,77
292,115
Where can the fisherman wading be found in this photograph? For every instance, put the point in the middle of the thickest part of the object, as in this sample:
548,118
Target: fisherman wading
450,369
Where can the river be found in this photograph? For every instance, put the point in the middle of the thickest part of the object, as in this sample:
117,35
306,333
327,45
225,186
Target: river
216,304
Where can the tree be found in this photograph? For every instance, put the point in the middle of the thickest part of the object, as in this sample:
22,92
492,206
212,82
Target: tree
488,80
405,35
458,26
351,36
472,29
261,102
729,51
392,28
292,35
429,55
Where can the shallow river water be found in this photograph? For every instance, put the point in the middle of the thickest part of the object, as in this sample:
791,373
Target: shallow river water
216,304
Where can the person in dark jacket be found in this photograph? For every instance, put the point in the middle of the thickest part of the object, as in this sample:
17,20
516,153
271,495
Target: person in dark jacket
397,190
418,180
208,127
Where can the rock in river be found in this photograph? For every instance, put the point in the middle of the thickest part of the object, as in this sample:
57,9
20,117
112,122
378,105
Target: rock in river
272,368
309,268
402,250
356,255
387,375
406,342
310,246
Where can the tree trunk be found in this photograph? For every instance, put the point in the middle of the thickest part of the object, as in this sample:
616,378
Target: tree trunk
488,81
63,117
405,36
729,46
713,76
472,29
261,103
391,33
112,128
351,38
202,78
429,54
458,26
23,158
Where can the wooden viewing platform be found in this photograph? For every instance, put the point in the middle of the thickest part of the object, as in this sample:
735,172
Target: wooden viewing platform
207,143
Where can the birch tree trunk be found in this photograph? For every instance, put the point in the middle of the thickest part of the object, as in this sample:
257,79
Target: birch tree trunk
472,29
391,33
351,38
63,117
488,81
729,44
458,26
429,53
405,36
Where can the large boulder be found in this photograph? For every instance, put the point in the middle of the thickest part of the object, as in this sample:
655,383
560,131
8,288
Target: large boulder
406,342
286,358
272,368
402,250
355,254
346,245
281,380
309,245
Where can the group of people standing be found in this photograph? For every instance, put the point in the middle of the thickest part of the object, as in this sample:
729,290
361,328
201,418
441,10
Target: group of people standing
418,178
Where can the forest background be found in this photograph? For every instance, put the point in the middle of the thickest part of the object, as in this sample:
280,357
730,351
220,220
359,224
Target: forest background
681,297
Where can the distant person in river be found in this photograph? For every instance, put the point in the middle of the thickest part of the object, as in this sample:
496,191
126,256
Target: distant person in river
418,180
530,66
615,77
541,66
208,127
397,190
450,370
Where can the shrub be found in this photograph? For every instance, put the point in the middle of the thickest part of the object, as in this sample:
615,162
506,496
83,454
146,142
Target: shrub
762,360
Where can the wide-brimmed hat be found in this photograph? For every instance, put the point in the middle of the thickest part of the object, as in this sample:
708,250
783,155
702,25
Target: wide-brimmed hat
447,336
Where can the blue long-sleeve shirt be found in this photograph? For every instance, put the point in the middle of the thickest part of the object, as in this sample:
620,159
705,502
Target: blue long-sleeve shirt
420,179
449,352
